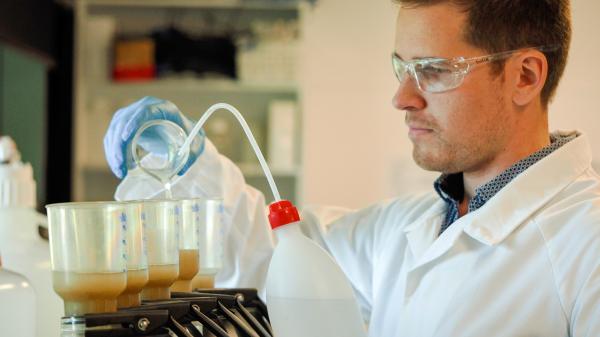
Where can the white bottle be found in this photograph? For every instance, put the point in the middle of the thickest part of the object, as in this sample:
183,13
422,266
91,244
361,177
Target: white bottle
17,299
307,292
24,250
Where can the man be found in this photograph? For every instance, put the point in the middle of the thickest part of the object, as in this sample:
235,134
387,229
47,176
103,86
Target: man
509,246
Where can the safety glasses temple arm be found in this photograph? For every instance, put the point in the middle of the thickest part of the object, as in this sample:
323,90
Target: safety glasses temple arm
506,54
489,58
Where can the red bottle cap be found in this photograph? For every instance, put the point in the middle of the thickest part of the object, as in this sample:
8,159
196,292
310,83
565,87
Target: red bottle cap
282,213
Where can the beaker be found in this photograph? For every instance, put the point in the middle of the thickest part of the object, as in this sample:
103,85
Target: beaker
162,242
87,251
211,242
189,229
137,258
155,150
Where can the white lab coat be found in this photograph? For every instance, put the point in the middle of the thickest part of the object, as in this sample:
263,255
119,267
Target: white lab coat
526,264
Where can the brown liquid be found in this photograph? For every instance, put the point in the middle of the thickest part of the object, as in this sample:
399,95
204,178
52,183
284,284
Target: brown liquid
86,293
203,281
188,268
136,280
160,278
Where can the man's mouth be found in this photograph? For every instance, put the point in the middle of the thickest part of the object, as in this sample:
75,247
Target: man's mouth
416,131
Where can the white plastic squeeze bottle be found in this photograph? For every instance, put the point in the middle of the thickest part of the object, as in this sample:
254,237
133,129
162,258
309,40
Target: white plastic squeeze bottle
307,292
23,248
17,305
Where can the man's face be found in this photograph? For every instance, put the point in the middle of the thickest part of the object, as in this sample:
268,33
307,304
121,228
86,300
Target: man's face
460,130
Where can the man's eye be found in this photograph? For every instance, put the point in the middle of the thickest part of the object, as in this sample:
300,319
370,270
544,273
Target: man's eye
435,69
433,72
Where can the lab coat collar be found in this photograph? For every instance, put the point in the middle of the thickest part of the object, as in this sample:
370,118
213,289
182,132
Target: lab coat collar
423,231
528,192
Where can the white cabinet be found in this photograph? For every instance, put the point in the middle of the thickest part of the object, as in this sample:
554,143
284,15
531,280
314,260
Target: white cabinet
266,82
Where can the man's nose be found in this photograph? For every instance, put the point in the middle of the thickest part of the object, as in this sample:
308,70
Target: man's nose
408,96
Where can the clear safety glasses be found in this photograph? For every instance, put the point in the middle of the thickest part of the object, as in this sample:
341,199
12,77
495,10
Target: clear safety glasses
437,75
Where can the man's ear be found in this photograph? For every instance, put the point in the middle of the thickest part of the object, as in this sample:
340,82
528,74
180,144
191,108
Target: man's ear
530,70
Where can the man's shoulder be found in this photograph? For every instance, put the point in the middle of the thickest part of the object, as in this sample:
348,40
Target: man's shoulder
576,207
570,227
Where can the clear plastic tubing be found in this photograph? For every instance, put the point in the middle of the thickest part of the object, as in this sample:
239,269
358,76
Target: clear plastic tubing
261,159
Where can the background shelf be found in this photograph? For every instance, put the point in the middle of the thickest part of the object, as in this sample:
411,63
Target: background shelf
264,79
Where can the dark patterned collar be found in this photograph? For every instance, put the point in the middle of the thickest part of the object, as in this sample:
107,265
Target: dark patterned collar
451,189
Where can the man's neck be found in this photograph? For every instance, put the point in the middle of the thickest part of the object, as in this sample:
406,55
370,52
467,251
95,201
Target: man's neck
514,152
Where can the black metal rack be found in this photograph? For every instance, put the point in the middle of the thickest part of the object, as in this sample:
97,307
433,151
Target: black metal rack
202,313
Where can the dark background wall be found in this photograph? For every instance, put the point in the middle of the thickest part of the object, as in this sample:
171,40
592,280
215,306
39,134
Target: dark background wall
29,25
36,53
23,107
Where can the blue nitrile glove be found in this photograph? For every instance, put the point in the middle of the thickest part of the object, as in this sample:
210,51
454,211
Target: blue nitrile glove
129,119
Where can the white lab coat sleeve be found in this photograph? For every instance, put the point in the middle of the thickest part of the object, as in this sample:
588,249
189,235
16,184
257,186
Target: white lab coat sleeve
586,312
571,234
352,238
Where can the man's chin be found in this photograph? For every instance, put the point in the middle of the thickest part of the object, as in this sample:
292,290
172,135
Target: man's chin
433,163
428,166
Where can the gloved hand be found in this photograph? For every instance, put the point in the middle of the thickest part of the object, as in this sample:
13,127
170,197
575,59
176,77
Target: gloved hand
129,119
